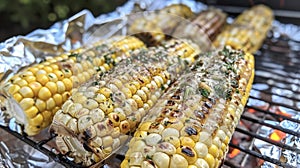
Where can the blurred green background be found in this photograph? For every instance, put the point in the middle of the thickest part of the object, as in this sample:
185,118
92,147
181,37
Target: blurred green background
19,17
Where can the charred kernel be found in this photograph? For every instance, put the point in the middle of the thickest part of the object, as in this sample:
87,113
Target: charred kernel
187,151
205,110
208,104
190,131
175,97
170,103
199,114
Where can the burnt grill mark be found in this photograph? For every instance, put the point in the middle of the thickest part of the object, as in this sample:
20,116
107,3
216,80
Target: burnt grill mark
199,114
190,131
208,104
86,147
187,151
175,97
170,103
205,109
87,134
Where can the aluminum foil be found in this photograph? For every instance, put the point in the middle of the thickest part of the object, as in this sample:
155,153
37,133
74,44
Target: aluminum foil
291,158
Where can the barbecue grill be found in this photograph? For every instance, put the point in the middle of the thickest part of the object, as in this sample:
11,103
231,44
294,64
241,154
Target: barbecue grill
269,131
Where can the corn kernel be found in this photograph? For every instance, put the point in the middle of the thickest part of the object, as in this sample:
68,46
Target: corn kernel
47,115
14,89
44,93
31,112
42,79
188,153
214,150
114,117
35,87
36,121
50,104
30,79
161,159
52,77
201,163
48,69
90,104
22,82
33,70
138,100
41,71
60,87
126,92
58,99
210,160
178,161
26,103
124,127
54,67
187,141
107,141
52,87
18,97
105,91
67,73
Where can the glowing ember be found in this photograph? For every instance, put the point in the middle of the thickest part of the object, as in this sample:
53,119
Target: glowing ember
277,135
233,153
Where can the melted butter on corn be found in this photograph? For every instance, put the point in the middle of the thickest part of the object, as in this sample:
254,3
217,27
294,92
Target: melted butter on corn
192,124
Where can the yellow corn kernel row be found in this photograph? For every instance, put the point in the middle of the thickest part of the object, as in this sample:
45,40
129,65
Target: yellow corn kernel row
193,122
41,89
152,27
205,27
259,17
96,120
240,37
248,31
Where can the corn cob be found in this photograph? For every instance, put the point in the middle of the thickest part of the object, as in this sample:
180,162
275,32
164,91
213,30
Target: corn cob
204,28
248,30
96,120
259,17
193,122
240,37
152,27
41,89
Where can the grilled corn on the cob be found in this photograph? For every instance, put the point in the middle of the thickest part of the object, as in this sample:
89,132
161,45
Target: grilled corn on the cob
36,93
203,29
193,122
95,121
152,27
259,17
248,30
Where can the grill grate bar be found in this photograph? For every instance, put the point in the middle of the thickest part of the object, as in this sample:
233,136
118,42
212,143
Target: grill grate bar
286,87
260,156
275,103
274,114
270,125
275,79
270,93
279,144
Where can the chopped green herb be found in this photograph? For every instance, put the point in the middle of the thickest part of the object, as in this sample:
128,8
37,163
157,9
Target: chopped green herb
204,92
